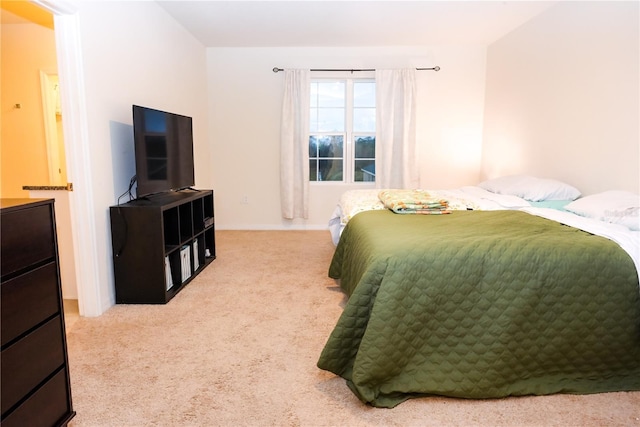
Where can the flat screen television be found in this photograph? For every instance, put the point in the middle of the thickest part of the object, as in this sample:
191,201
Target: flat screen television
163,144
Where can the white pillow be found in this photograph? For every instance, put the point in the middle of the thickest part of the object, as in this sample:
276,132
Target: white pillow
616,207
531,188
503,184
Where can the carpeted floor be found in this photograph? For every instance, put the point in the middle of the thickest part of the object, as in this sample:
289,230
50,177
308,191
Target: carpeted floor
238,347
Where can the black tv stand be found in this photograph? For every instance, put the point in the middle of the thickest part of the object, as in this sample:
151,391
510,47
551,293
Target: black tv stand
160,243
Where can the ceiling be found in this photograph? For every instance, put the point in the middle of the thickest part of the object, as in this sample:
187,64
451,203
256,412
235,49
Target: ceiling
292,23
268,23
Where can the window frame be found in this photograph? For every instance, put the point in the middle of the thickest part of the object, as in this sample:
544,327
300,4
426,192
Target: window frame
349,135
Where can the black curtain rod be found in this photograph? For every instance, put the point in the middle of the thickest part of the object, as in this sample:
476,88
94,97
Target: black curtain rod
276,69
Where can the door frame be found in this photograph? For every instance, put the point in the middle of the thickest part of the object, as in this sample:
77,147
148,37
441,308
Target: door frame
75,128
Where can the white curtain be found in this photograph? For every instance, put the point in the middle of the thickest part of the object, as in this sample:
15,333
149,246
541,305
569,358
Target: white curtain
294,145
396,163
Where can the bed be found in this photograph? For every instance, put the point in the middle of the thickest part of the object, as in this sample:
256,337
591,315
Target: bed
486,304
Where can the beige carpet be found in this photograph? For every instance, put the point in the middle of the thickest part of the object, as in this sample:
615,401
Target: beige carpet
238,347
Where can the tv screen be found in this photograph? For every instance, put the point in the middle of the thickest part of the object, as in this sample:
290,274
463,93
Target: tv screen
164,151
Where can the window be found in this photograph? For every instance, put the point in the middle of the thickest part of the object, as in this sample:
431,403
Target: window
342,131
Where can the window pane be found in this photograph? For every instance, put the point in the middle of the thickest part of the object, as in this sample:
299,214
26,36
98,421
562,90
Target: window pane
313,170
364,94
330,146
331,94
364,119
365,147
313,120
313,146
330,120
365,171
313,95
330,170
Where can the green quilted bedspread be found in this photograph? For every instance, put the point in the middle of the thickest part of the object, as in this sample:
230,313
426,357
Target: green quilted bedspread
481,304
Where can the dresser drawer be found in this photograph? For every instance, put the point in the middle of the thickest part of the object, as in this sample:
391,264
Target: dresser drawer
29,361
27,300
49,405
27,238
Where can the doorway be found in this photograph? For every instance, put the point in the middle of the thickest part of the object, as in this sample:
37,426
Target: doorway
25,159
80,209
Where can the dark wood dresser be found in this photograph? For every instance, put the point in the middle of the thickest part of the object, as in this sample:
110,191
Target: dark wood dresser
34,370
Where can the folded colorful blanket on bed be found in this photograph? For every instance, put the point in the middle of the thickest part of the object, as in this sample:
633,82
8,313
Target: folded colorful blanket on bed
413,202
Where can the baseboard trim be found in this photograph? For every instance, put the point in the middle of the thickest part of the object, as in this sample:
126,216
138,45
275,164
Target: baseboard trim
272,227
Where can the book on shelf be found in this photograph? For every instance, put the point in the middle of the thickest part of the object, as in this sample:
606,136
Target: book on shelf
196,261
185,258
167,273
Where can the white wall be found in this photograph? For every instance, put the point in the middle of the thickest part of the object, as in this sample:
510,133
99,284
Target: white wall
133,53
562,97
245,99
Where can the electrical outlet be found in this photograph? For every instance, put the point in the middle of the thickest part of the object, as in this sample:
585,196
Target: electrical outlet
244,200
